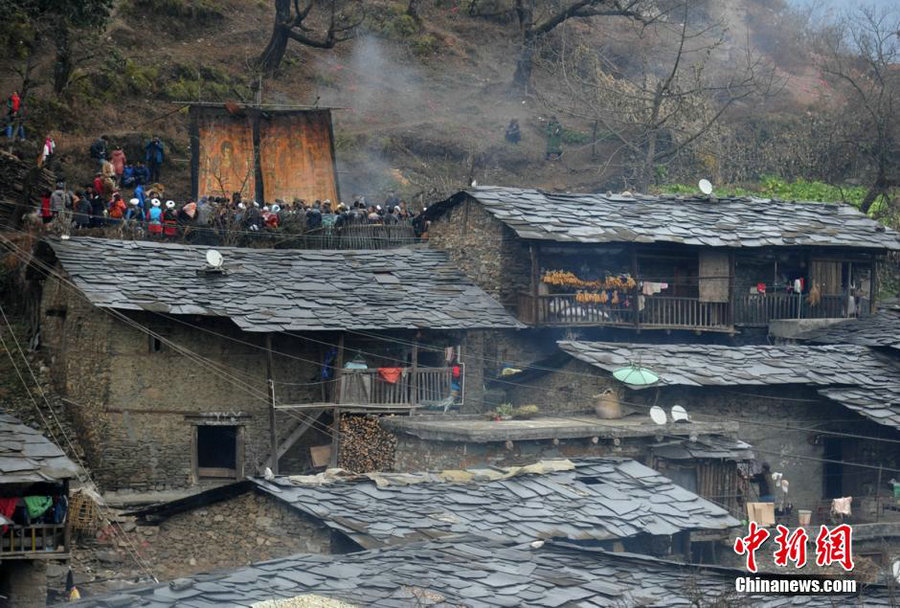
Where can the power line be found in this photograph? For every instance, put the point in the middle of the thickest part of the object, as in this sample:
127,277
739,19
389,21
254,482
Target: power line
531,387
117,529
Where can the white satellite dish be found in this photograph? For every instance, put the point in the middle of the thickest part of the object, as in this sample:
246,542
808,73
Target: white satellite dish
658,414
705,186
680,414
214,258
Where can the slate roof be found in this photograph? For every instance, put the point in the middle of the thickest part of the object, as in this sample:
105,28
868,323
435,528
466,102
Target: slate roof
852,375
726,222
709,446
623,499
26,456
468,571
274,290
881,329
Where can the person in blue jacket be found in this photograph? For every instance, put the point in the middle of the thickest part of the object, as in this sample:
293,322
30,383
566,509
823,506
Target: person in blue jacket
154,219
155,157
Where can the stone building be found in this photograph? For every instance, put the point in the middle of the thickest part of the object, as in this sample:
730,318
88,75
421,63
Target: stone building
640,262
467,570
34,523
178,371
824,415
611,502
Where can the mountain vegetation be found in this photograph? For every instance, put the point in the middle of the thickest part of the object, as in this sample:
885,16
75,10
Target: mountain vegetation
649,93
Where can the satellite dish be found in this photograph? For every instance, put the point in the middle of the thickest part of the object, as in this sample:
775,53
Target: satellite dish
679,414
658,415
214,258
636,376
705,186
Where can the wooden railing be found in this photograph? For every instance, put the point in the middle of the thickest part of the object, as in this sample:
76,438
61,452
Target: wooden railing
685,313
38,538
564,309
427,387
656,312
759,309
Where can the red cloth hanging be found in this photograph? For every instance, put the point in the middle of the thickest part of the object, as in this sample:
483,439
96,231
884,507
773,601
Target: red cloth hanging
390,374
7,507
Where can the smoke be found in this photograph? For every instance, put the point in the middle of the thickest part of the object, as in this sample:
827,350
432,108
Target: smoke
382,94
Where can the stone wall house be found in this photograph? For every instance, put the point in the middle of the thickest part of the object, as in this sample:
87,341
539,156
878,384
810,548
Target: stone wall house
34,490
225,527
340,512
821,414
642,262
169,365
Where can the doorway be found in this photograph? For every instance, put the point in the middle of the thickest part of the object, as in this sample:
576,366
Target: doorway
217,451
832,469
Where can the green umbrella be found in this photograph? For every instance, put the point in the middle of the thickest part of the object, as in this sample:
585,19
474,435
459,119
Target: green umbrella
636,376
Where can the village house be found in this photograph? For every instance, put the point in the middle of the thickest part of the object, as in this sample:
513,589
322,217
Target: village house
34,523
809,410
466,570
615,503
183,365
641,262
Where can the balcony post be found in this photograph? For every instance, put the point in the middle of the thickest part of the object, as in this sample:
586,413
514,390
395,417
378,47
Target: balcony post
336,412
535,271
635,308
273,435
414,381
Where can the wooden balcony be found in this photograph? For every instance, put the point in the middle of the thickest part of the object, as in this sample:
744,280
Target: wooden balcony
757,310
429,387
642,312
37,541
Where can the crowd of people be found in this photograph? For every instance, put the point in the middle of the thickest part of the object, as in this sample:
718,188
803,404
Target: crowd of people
125,194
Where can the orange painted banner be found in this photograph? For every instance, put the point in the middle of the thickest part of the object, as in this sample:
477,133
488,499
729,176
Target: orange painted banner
226,156
296,156
295,152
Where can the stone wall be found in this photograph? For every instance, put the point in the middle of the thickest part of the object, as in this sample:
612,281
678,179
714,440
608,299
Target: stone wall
414,454
23,584
136,400
228,534
488,252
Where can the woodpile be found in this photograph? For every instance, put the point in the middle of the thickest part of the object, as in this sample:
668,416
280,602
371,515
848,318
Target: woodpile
364,445
21,184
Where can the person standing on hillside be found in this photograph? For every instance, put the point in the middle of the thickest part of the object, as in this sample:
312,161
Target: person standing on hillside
47,152
118,160
155,158
554,139
513,132
99,150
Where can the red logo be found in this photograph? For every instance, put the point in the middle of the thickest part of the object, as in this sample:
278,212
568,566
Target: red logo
833,546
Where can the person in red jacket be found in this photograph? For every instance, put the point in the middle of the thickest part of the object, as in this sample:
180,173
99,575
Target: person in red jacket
46,212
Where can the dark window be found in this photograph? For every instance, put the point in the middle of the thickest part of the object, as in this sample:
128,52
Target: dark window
217,451
155,344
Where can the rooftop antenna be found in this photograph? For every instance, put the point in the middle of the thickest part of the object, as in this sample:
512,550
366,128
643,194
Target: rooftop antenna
705,186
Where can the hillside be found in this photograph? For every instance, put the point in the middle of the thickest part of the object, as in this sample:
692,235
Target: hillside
421,107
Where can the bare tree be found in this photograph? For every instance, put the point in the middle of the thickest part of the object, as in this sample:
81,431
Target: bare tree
536,20
669,105
860,58
293,21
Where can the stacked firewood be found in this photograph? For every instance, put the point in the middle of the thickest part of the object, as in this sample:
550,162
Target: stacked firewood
21,184
364,445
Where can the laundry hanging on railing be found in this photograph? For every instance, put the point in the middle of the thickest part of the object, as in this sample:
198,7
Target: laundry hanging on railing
391,375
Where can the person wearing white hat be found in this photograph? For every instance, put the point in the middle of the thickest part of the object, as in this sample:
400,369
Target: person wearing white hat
133,213
169,219
154,218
